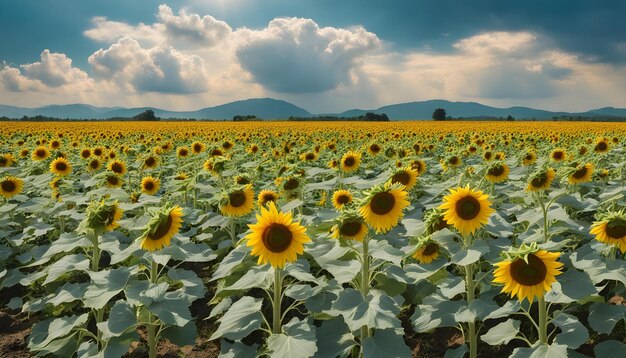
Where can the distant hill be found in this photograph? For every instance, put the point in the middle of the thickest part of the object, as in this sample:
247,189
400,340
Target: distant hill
269,108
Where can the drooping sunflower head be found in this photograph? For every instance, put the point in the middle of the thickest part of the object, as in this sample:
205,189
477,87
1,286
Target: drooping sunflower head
150,185
498,172
11,186
466,209
349,226
541,180
383,206
113,181
182,152
558,155
118,167
238,202
374,149
60,166
419,166
451,162
488,155
181,176
266,196
291,184
150,162
40,153
407,177
529,158
94,165
581,174
350,162
164,224
275,238
434,221
341,198
101,216
6,160
611,229
527,272
308,156
427,250
602,146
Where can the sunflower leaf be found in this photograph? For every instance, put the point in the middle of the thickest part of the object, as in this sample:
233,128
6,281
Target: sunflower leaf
385,343
243,317
502,333
298,341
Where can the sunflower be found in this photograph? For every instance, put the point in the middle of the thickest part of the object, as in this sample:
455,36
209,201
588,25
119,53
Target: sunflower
488,156
113,181
374,149
181,176
266,196
40,153
529,158
10,186
307,157
434,221
466,209
341,198
602,146
94,165
150,185
112,219
350,228
6,160
528,273
427,253
419,166
182,152
407,177
101,216
61,167
350,162
558,155
165,223
197,147
98,151
275,238
238,202
611,229
498,172
117,167
541,180
150,162
452,161
85,153
383,205
582,174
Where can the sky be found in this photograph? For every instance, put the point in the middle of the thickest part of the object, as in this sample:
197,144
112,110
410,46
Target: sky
323,55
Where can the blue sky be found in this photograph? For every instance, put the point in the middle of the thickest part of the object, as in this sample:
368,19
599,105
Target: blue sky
323,55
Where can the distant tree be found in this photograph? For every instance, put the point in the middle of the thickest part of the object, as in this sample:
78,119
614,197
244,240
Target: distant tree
439,114
510,118
373,117
240,118
147,115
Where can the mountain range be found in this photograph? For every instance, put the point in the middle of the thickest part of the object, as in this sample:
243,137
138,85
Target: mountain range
269,108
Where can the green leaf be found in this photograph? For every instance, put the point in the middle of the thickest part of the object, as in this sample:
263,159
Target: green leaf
452,286
256,276
603,317
66,264
121,318
378,311
193,287
384,344
181,336
230,262
243,317
502,333
573,333
571,286
46,331
237,350
118,346
471,255
383,251
458,352
539,350
104,285
608,348
335,339
298,341
435,311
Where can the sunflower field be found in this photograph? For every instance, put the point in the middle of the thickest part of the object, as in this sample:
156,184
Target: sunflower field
344,239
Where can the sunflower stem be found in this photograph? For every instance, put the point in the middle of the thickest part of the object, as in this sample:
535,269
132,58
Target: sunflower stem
276,303
231,231
543,320
365,282
544,210
95,255
470,284
152,327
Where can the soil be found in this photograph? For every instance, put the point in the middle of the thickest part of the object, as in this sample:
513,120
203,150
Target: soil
14,331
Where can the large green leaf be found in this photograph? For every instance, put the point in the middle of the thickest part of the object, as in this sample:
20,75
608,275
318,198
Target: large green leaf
609,348
121,318
46,331
104,285
297,341
335,339
501,333
603,317
377,311
66,264
573,333
539,350
243,317
384,344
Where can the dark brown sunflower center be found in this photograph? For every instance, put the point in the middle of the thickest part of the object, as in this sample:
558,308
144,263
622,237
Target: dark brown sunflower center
616,230
277,238
382,203
343,199
291,184
60,166
97,152
417,166
453,161
539,180
162,230
529,157
402,177
85,154
237,199
117,168
440,225
350,161
150,161
113,180
467,208
602,146
496,171
149,185
375,148
431,249
183,152
580,173
528,274
350,228
109,217
8,186
94,164
488,155
557,155
268,197
310,156
40,153
197,147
